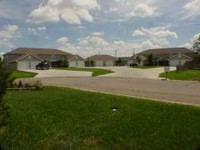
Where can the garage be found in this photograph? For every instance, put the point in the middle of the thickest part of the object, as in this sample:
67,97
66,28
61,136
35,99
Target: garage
179,59
76,62
27,62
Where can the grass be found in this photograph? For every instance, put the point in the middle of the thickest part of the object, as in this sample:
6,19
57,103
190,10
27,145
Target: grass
60,118
193,75
23,74
146,67
95,71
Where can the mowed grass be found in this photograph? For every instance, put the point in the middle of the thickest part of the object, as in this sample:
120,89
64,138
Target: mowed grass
60,118
95,71
22,74
193,75
145,67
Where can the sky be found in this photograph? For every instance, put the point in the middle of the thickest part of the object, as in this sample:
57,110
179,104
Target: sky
89,27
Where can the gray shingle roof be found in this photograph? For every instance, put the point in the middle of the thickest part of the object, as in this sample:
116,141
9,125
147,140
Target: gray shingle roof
37,51
166,51
102,57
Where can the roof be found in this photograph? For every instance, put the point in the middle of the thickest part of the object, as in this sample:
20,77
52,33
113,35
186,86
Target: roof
183,56
166,51
75,58
37,51
102,57
24,56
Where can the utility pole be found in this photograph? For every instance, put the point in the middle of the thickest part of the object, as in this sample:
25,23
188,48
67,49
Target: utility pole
115,53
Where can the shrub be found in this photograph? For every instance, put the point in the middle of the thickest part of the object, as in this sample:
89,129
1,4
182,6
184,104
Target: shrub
4,81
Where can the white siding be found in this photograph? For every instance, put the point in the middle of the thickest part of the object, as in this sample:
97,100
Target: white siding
77,64
99,63
110,63
175,62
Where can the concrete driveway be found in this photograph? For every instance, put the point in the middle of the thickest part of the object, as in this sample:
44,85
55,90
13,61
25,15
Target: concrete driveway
152,73
59,73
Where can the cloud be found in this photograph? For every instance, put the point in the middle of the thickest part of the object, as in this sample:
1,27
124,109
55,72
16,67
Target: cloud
93,41
37,31
7,34
192,9
157,36
71,11
143,10
98,33
138,33
63,41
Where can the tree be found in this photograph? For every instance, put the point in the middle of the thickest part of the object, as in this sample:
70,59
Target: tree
150,60
196,45
4,81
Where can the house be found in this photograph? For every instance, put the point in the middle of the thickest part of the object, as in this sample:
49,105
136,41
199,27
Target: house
102,60
27,58
76,62
166,56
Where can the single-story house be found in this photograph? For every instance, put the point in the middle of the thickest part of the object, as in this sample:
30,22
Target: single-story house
102,60
76,62
169,56
27,58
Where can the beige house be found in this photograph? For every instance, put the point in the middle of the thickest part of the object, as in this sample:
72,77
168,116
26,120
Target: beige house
27,58
166,56
102,60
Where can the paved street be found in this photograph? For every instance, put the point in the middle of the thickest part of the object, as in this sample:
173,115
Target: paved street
174,91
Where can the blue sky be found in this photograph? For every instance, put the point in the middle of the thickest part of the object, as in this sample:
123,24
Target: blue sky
88,27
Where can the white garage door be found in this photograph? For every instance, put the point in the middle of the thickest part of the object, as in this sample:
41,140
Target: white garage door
23,65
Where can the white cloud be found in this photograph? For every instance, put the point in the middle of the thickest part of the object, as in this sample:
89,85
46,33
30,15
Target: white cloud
155,37
93,41
138,33
192,9
186,45
63,41
71,11
97,33
143,10
7,34
37,31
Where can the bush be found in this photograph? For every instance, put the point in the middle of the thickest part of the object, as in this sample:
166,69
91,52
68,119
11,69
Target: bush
4,81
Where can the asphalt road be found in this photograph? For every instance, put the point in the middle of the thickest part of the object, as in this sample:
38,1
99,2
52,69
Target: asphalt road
172,91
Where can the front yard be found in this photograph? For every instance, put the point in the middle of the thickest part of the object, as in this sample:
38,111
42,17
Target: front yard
193,75
61,118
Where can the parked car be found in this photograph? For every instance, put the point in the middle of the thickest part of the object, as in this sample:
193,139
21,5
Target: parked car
43,66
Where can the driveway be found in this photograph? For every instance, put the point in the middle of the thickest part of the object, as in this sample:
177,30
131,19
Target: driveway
59,73
152,73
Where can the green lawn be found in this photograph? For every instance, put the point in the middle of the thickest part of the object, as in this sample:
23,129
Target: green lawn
146,67
60,118
22,74
193,75
95,71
